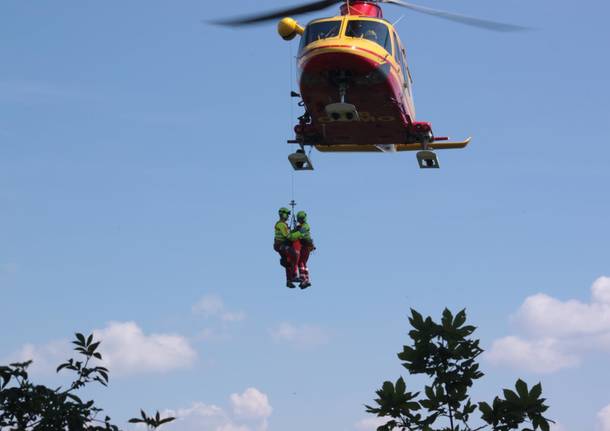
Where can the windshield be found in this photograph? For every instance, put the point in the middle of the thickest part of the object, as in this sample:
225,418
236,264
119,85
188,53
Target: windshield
320,30
371,30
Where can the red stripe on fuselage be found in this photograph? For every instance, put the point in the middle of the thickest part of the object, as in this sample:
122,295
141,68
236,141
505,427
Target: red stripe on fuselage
351,47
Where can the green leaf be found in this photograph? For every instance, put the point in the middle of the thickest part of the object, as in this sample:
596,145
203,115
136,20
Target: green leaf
74,398
416,320
104,374
485,409
447,319
535,392
460,319
136,421
430,393
467,330
81,338
400,386
522,390
166,420
511,396
428,404
413,405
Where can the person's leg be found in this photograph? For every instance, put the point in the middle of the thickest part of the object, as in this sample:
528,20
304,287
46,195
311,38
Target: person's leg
278,249
291,261
303,270
295,252
285,261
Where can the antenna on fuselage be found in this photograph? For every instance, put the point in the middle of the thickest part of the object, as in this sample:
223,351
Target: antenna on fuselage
398,20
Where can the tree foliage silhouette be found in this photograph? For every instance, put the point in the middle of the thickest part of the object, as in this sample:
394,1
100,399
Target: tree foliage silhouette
447,355
25,406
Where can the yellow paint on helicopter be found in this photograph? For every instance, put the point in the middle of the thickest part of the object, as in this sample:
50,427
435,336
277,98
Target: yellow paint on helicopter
288,28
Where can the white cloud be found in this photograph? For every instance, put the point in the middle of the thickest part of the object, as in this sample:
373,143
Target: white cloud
124,347
251,412
45,357
543,315
541,356
303,336
127,350
603,419
558,427
601,290
209,305
213,306
556,334
251,404
198,416
370,423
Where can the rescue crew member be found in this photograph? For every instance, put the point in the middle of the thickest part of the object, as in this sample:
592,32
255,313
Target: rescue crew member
307,247
283,244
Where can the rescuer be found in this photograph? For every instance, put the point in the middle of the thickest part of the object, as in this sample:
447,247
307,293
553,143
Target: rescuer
284,245
307,247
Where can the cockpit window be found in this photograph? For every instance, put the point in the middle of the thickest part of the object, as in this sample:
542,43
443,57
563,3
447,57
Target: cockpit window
371,30
320,30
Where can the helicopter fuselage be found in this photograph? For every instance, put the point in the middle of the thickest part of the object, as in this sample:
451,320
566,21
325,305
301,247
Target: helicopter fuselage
356,59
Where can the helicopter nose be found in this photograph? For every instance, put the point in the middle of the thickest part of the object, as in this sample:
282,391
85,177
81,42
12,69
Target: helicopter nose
356,61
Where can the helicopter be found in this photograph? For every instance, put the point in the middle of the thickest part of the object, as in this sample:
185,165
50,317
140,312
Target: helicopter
355,82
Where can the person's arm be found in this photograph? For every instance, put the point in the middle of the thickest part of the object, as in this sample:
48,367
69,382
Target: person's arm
305,231
295,235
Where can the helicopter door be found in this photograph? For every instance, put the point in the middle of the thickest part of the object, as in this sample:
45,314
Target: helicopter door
406,71
400,56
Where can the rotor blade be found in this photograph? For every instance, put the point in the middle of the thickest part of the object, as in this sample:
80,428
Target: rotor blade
463,19
296,10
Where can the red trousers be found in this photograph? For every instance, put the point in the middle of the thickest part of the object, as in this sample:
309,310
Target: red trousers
306,249
289,254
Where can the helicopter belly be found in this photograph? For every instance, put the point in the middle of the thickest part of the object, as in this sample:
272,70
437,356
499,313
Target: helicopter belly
372,86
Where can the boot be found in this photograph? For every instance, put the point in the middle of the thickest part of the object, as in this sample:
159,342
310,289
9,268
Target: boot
304,284
290,285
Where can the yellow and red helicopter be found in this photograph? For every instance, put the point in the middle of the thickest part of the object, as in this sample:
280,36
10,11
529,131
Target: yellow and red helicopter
355,81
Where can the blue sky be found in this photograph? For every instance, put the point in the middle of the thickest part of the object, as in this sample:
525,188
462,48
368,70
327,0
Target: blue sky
142,162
